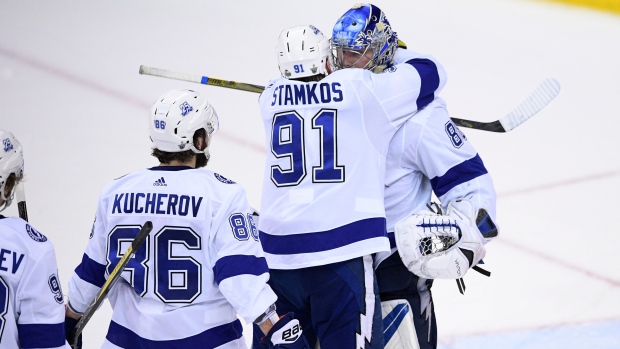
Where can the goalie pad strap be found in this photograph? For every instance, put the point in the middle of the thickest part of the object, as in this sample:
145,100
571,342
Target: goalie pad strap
481,271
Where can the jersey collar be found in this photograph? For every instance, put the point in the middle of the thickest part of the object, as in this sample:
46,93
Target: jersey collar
170,168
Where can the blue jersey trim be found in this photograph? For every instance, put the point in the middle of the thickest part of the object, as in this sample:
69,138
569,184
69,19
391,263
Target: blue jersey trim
324,240
2,217
170,168
392,239
459,174
230,266
429,80
91,271
211,338
41,335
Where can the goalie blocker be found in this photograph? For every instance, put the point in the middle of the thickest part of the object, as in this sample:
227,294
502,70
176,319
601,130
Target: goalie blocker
435,246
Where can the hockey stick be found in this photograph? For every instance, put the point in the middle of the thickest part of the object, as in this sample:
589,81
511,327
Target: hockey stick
205,80
537,100
112,278
21,201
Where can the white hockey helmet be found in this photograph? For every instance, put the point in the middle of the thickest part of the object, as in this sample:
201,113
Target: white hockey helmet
176,116
11,161
302,51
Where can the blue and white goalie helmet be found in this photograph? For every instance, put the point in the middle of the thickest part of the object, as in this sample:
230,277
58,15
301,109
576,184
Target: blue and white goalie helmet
364,27
176,116
11,161
302,51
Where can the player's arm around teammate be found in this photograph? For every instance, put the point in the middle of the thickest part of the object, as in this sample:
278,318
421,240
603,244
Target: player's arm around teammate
419,149
319,127
425,158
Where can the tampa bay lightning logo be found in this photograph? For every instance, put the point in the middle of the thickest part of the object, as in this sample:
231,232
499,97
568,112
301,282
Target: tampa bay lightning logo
185,108
223,179
390,69
7,144
35,235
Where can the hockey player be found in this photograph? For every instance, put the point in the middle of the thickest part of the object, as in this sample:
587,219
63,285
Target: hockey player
202,264
31,303
322,214
427,154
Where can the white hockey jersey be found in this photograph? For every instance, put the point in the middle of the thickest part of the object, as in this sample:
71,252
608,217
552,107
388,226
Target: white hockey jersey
32,310
322,199
429,153
201,265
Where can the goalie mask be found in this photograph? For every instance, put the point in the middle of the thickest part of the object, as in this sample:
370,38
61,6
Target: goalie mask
176,116
11,161
302,51
362,30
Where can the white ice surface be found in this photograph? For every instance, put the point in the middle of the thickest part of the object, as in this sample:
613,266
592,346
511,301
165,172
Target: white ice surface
71,93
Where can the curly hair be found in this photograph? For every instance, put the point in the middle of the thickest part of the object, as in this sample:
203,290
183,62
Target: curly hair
165,157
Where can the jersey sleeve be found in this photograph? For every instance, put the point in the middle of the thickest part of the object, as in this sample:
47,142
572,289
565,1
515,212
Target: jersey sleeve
443,153
408,86
41,304
89,276
239,265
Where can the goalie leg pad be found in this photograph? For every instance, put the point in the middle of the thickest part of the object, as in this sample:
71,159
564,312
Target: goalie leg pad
398,328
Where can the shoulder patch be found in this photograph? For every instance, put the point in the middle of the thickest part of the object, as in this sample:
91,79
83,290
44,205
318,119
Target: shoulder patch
457,137
223,179
35,235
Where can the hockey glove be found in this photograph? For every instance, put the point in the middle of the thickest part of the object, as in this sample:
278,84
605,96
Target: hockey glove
286,334
433,246
69,326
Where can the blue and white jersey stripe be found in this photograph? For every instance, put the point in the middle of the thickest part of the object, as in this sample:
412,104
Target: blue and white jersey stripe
464,172
214,337
90,271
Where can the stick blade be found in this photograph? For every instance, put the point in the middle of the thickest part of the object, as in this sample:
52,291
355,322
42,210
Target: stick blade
538,99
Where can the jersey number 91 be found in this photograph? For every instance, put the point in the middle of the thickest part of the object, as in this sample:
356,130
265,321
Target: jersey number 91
287,141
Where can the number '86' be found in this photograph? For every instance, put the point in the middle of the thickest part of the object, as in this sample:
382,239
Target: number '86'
161,124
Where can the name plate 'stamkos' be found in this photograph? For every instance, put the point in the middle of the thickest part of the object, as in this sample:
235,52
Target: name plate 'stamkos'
311,93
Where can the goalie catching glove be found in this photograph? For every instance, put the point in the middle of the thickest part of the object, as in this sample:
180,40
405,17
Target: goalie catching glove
435,246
